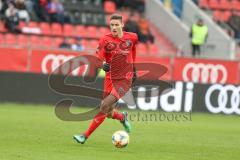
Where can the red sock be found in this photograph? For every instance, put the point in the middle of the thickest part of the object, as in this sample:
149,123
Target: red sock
118,115
98,119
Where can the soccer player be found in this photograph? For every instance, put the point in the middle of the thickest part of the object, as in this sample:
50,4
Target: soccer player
117,52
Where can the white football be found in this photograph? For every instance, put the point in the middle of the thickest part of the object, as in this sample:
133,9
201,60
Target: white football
120,139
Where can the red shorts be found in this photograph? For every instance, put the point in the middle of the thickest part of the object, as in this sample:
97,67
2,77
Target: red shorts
118,88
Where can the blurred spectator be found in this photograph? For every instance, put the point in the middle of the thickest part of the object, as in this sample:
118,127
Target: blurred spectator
131,25
56,13
234,22
21,10
19,3
138,5
65,44
167,4
78,45
1,5
1,10
198,34
145,35
39,8
29,5
12,19
119,3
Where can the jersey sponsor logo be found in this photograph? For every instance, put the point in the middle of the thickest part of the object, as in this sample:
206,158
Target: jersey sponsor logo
228,99
204,73
126,45
125,52
110,46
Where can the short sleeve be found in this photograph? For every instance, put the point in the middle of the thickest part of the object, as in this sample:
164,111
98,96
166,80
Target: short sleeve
100,50
135,38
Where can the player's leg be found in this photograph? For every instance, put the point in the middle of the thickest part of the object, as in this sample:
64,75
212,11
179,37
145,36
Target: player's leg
114,113
110,111
119,90
120,116
98,119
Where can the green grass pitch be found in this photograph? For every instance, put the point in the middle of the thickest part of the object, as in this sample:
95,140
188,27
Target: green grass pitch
33,132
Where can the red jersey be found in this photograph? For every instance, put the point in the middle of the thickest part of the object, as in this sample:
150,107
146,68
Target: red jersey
120,53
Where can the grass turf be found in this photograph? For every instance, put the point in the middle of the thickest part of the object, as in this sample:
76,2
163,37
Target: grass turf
33,132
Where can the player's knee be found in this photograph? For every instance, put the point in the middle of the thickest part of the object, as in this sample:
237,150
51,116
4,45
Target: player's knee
104,108
110,113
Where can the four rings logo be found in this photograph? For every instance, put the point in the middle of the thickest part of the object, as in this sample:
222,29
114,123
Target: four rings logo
225,99
205,73
51,62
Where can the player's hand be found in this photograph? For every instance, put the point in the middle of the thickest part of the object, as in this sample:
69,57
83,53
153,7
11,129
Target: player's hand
134,75
106,67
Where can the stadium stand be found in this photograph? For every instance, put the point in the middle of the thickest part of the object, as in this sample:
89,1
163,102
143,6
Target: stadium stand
84,19
226,13
222,11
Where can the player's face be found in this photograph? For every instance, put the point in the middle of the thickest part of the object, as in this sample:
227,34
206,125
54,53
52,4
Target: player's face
116,27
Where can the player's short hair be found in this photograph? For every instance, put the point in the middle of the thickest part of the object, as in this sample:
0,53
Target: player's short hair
116,17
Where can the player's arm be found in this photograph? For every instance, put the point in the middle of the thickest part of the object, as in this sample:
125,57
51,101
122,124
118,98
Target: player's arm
106,67
101,54
134,59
